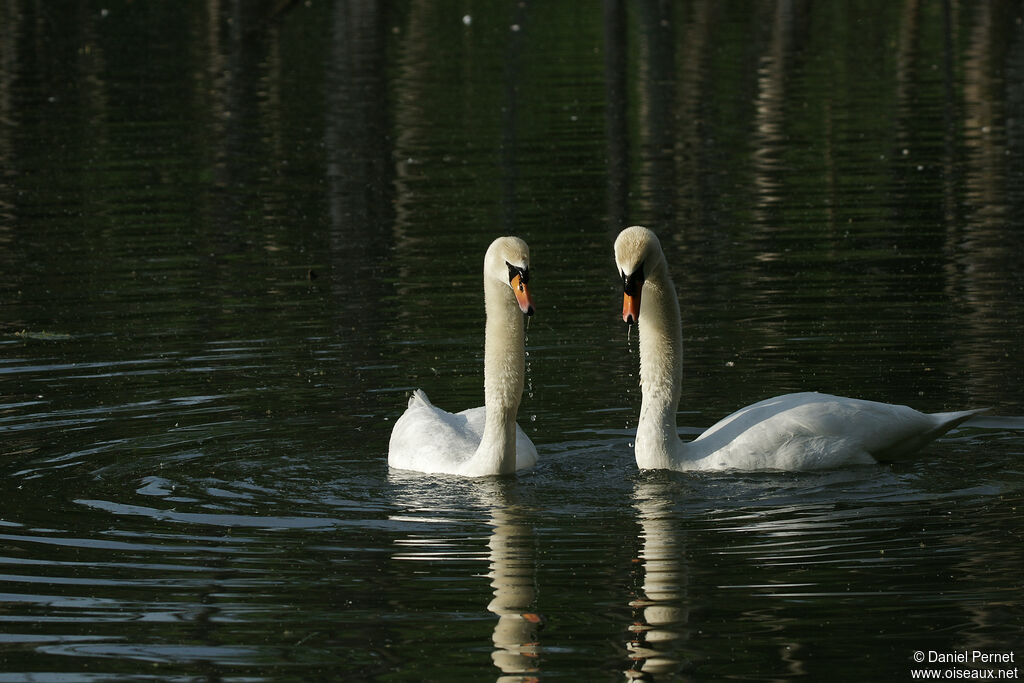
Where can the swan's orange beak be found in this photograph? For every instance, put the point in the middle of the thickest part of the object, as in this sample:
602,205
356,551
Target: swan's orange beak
522,294
631,307
632,285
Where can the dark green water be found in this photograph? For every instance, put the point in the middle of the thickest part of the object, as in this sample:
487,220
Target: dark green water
233,238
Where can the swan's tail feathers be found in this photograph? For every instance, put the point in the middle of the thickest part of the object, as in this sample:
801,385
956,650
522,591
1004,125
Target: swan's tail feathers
907,447
419,397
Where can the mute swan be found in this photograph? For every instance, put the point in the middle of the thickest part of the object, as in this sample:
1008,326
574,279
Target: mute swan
801,431
485,440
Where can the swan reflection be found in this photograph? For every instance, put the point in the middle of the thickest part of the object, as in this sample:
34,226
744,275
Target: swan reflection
513,573
510,556
660,613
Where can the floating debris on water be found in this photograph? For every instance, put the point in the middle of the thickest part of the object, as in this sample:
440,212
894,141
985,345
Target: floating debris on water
43,335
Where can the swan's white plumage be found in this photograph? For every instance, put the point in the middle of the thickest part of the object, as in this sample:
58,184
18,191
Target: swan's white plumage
429,439
807,431
486,440
802,431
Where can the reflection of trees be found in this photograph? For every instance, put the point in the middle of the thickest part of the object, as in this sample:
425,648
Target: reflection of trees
360,174
768,158
832,145
769,132
9,66
976,69
984,267
655,110
616,107
357,127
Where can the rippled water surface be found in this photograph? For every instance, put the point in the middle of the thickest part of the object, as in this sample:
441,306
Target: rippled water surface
234,236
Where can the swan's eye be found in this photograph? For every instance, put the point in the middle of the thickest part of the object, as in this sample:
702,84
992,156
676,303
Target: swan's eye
515,271
632,282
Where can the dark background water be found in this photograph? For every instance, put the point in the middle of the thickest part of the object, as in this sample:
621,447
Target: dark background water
233,236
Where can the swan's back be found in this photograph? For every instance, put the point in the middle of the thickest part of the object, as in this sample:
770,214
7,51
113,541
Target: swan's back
432,440
428,439
809,430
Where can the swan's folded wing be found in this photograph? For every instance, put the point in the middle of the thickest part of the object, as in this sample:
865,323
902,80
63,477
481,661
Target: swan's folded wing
811,431
428,439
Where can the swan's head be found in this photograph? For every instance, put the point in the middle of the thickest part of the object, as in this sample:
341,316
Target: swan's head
508,260
637,254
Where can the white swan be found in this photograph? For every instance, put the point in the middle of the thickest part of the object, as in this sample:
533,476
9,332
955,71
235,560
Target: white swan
485,440
792,432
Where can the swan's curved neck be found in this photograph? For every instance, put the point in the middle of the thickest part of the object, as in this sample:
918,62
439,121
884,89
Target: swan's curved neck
504,369
661,373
